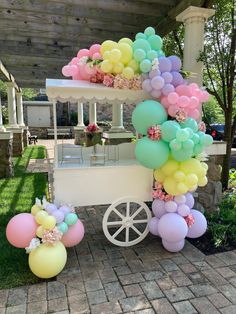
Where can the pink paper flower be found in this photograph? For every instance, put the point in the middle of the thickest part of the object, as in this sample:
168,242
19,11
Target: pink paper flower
180,115
169,197
121,82
92,128
189,220
154,133
97,78
136,82
51,236
108,80
202,126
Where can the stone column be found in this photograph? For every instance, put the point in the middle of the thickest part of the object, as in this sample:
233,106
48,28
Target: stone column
80,116
194,19
6,165
11,98
19,102
2,128
79,129
92,113
117,118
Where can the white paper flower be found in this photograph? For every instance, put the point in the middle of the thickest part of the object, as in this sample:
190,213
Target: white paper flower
34,243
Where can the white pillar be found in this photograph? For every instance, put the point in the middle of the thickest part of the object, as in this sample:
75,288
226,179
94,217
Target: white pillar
2,129
80,116
194,19
117,117
93,113
54,104
11,99
19,103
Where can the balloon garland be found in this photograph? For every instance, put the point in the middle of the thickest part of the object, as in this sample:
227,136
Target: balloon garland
172,137
45,233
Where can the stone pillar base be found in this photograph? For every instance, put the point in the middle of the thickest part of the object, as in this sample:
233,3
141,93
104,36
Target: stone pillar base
79,136
6,165
25,136
115,138
18,147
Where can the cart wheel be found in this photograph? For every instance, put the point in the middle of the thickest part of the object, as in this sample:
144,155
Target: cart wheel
125,222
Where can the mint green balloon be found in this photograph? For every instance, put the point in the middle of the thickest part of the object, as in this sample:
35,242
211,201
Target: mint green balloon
206,140
155,41
141,44
169,130
139,55
175,145
71,219
182,135
190,123
198,149
63,227
160,53
182,154
149,31
190,131
195,138
152,54
145,66
140,36
146,114
189,144
151,154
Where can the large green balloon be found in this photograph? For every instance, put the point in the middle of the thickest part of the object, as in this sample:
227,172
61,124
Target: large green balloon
146,114
190,123
141,44
169,130
155,41
151,154
182,155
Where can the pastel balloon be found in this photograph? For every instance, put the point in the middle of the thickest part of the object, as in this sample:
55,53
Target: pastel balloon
139,55
65,209
48,261
126,52
190,123
153,226
167,76
157,82
126,41
83,53
158,208
146,85
69,70
183,210
145,66
71,219
21,229
141,44
49,222
134,65
173,246
146,114
106,66
167,89
175,63
164,64
189,200
128,73
154,73
40,231
140,36
95,48
151,55
155,41
118,68
59,215
107,45
40,216
170,206
172,227
177,78
182,154
169,130
199,226
180,199
74,234
149,31
96,56
35,209
156,93
151,154
50,208
63,227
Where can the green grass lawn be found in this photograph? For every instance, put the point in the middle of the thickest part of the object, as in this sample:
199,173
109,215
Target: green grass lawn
17,195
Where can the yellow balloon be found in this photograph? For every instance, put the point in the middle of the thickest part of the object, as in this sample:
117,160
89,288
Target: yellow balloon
182,188
47,261
126,52
126,41
106,66
128,73
202,172
179,176
193,188
106,55
114,56
35,209
191,179
40,216
108,45
118,68
170,186
159,176
202,181
169,167
39,231
134,65
204,165
49,222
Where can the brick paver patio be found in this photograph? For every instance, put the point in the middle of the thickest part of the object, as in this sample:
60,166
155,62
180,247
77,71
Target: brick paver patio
102,278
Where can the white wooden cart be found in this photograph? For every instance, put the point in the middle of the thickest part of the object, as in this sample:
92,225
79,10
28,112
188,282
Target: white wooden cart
123,183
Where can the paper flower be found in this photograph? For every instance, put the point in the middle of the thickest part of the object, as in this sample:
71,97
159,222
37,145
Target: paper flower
51,236
189,220
180,115
92,128
108,80
202,126
121,82
154,133
34,243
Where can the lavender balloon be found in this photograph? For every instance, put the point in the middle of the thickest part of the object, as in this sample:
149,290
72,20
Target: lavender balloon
157,82
164,64
172,227
170,206
146,85
183,210
189,200
168,88
200,225
175,63
180,199
65,209
156,93
59,215
167,76
173,246
158,208
50,208
153,226
154,73
177,79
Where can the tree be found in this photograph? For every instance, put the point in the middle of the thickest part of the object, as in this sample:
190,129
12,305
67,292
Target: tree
219,77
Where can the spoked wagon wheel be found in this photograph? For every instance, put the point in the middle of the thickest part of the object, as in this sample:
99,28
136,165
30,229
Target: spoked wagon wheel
125,222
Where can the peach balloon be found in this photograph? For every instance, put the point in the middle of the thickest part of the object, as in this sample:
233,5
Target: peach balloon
74,234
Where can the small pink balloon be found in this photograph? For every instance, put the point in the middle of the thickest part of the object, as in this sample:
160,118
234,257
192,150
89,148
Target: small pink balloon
193,102
96,56
172,110
183,90
193,86
21,229
89,70
173,98
153,226
94,49
83,53
173,246
74,234
195,114
183,101
197,93
205,96
164,101
84,75
74,61
69,70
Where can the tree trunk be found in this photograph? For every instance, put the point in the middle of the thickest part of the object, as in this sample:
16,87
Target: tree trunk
226,160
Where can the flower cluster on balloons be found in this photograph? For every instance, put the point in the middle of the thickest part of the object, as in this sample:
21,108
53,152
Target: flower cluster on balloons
45,233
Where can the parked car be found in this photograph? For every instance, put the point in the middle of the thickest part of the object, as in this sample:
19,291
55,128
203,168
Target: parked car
217,132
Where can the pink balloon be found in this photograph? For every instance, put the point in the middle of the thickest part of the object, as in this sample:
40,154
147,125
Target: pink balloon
89,70
69,70
173,246
200,225
205,96
21,229
84,75
74,61
183,101
164,101
153,226
172,227
83,53
193,86
74,234
195,114
172,110
94,49
197,93
173,98
158,208
96,56
193,102
183,90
